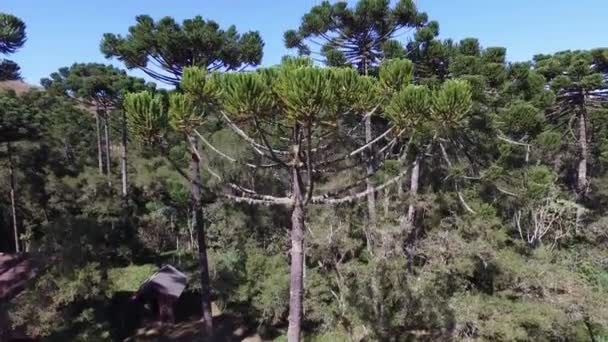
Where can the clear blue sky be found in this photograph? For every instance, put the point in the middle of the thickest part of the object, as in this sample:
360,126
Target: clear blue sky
61,32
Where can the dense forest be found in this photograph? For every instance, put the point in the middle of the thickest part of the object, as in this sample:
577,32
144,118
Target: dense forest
380,184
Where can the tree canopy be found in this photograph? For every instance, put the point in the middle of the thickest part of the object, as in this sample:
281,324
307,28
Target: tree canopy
384,183
163,48
12,38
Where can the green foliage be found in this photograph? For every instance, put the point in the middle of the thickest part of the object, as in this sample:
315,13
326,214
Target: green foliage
520,120
12,33
409,107
497,249
395,74
246,94
184,114
194,42
9,70
200,85
146,116
307,93
451,104
340,28
99,85
128,279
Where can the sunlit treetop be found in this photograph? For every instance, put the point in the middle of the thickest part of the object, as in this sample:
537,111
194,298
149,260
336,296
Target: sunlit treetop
574,69
101,83
146,116
445,109
162,49
360,36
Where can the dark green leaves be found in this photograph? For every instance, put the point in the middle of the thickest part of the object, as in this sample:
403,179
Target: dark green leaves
451,104
357,36
12,33
12,37
172,47
97,83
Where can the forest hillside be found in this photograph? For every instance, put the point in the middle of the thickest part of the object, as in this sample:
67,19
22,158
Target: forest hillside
379,184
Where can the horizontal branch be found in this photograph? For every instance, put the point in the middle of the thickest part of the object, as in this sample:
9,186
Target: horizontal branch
326,199
259,148
229,158
249,200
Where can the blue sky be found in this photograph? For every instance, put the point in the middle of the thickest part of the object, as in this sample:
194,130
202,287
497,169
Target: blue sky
61,32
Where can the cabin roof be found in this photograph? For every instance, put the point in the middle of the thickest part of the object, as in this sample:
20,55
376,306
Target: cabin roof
167,281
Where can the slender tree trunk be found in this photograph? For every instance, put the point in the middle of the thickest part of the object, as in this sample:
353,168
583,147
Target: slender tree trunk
190,231
582,183
414,184
371,200
408,223
99,148
11,171
106,128
197,208
123,156
296,284
387,200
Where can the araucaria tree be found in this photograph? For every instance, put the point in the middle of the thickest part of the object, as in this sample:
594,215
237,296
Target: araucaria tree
101,89
311,106
360,37
162,49
579,81
148,122
12,38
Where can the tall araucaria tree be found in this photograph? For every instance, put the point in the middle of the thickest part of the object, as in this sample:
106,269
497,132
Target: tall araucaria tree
361,37
148,122
18,122
162,49
101,88
578,79
436,122
312,109
310,105
12,38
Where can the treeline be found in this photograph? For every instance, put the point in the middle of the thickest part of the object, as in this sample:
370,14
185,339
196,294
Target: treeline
366,189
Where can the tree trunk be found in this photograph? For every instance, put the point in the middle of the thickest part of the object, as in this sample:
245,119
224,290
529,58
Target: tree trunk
11,170
414,183
123,156
408,223
371,200
296,284
106,127
387,201
197,208
582,181
99,148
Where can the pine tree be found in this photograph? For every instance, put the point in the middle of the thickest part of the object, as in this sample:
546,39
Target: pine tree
101,88
162,49
148,121
579,81
12,38
361,37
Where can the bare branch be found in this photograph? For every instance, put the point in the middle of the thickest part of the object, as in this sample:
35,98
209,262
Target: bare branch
229,158
259,148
